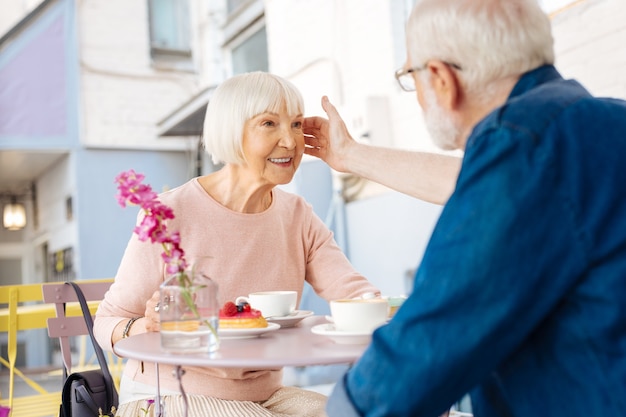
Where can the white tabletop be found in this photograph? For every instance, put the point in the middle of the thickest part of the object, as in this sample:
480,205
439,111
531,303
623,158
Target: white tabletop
295,346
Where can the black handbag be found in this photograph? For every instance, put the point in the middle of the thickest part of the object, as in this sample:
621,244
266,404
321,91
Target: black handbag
89,393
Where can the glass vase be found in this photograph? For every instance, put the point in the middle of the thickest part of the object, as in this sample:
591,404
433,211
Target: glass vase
189,313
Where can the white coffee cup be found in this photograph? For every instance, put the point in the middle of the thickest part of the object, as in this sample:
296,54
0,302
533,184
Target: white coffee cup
271,303
359,315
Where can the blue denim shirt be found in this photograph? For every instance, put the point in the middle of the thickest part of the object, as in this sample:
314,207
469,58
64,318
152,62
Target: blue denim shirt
520,298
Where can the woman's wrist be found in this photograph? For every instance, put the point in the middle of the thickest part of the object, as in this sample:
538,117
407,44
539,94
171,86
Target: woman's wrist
128,326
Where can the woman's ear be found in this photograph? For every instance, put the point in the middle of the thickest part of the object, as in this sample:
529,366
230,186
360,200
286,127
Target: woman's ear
445,83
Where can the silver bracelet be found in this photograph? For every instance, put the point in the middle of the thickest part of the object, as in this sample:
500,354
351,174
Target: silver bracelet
127,328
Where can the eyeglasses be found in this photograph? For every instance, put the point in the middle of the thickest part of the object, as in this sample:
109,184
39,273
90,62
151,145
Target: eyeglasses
406,79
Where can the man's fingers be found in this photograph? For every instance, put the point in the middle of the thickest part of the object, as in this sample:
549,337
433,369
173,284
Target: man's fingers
313,152
328,107
332,112
311,141
313,124
311,132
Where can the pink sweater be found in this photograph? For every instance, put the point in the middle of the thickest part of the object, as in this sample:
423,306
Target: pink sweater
277,249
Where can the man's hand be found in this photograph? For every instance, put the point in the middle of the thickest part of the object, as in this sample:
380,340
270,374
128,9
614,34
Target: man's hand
329,139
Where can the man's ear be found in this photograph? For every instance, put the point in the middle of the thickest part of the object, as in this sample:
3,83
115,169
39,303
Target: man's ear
444,81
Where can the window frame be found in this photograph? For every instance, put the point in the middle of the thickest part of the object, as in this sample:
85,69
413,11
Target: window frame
178,54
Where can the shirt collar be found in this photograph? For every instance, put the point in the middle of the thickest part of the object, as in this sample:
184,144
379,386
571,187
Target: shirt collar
533,78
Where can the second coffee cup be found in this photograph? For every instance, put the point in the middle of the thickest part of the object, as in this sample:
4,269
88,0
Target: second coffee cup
271,303
359,315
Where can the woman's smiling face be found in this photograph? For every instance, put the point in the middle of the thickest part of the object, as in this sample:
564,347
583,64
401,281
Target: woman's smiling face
273,144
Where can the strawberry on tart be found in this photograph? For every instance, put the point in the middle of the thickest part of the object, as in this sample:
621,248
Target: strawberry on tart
240,316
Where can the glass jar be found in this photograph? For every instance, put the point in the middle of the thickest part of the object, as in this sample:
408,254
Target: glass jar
189,312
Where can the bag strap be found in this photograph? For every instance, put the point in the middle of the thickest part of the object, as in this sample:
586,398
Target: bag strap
108,379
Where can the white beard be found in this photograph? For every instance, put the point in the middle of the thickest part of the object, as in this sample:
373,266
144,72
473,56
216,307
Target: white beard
443,131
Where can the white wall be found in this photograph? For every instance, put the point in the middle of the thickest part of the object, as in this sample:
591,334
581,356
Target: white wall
589,42
387,236
124,95
13,11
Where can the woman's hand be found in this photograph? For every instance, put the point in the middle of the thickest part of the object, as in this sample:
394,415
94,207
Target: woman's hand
153,318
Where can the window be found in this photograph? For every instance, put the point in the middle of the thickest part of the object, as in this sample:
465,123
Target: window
251,54
169,28
233,5
246,39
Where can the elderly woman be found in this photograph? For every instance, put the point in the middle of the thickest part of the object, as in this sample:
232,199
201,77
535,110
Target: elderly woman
246,234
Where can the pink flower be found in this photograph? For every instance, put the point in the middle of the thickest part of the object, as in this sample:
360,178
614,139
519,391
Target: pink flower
132,190
175,260
153,225
147,228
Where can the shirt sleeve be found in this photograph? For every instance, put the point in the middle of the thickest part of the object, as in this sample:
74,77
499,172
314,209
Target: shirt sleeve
493,269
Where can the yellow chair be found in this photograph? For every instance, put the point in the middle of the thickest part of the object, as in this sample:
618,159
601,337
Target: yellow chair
27,310
17,317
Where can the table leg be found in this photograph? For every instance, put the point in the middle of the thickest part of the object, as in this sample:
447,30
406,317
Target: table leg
179,376
159,411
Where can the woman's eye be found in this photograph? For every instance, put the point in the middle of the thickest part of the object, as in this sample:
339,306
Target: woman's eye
268,123
297,125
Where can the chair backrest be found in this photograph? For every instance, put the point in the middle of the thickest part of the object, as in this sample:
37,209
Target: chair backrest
69,320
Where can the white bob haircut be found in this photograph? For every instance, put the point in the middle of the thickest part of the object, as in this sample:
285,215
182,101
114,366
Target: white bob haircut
488,39
238,100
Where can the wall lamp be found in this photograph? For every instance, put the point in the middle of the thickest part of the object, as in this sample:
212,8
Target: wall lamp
14,215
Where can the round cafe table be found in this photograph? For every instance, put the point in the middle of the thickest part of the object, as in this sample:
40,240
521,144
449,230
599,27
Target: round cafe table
294,346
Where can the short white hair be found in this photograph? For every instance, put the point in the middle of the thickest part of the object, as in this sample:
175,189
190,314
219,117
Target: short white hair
488,39
238,100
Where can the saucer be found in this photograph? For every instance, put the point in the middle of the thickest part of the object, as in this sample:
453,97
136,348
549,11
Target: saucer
342,338
291,319
246,333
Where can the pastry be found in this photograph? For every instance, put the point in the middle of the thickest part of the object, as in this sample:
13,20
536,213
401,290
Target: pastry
240,316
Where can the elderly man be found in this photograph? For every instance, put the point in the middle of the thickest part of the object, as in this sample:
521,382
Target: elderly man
520,296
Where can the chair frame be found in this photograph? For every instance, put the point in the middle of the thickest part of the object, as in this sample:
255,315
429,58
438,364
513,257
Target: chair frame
64,326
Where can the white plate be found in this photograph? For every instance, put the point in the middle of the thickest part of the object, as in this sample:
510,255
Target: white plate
342,338
246,333
292,319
